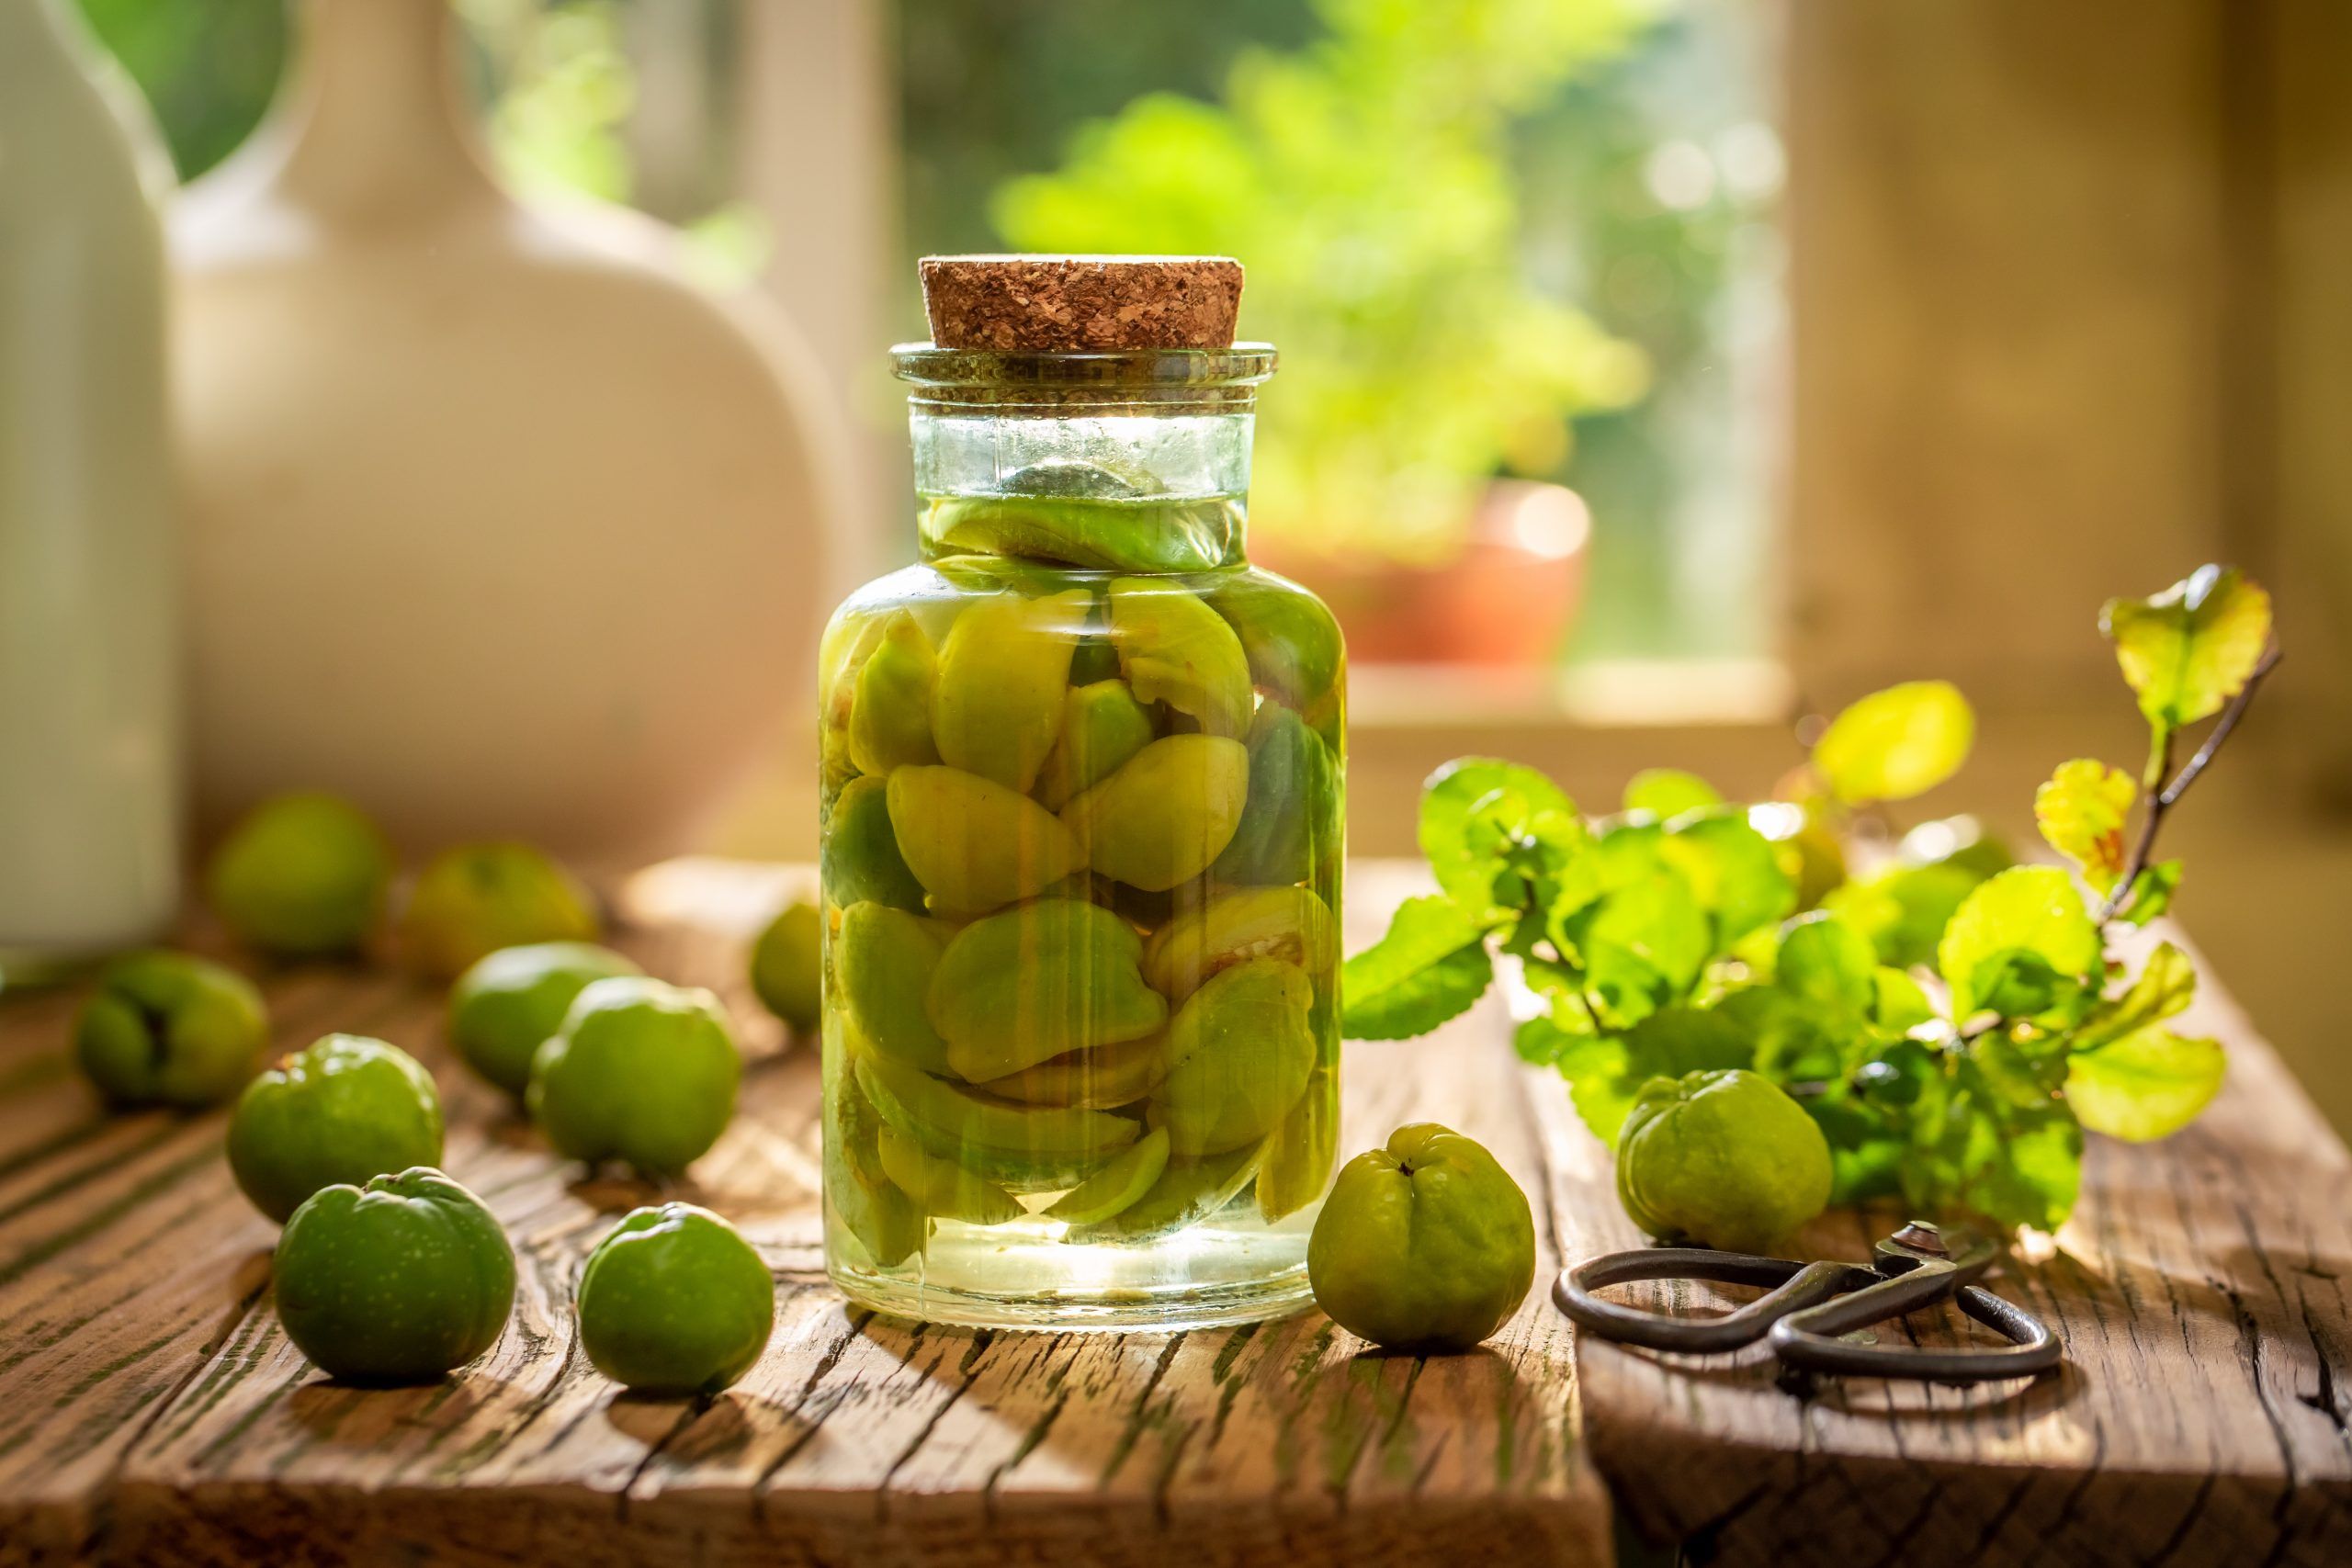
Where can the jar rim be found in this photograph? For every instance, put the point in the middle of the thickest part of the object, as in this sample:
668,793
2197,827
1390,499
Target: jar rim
967,375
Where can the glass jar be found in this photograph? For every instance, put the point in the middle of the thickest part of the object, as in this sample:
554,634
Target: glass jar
1081,842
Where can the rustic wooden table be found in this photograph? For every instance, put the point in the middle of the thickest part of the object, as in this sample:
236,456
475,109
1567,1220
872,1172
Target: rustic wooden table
152,1412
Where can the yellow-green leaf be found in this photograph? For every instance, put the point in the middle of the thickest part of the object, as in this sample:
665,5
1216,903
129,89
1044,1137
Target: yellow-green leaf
2146,1086
2190,648
1670,792
2029,912
2167,981
2081,811
1896,743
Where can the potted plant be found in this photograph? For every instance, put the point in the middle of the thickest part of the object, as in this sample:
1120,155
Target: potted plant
1367,180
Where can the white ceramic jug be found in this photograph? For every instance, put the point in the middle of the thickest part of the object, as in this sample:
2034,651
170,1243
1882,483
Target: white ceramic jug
497,524
89,731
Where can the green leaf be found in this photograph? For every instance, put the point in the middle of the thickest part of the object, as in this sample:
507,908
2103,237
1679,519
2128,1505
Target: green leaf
1826,961
2152,893
1899,1005
1481,818
1669,792
1642,946
2188,651
2148,1084
2167,983
1904,912
2023,931
1430,966
1605,1072
1974,1152
1734,873
1896,743
1794,1041
2081,811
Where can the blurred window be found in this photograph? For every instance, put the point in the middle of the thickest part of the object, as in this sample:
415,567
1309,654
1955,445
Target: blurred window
1499,240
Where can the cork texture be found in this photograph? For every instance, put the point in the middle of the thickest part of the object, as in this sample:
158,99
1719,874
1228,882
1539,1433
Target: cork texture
1080,304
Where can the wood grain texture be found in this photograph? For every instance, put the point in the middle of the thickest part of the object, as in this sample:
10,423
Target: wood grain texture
151,1410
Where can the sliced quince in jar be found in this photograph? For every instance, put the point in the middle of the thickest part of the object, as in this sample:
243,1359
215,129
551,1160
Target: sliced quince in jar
1175,649
1300,1151
974,844
1240,1051
1116,1187
1103,726
883,961
1028,984
1188,1191
1293,811
860,860
1097,1078
1022,1148
1288,923
996,709
1292,644
1166,814
882,1218
889,721
942,1188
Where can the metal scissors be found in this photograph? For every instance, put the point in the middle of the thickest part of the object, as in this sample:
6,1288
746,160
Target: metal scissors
1811,1307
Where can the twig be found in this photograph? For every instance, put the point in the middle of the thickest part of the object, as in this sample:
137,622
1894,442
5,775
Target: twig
2162,800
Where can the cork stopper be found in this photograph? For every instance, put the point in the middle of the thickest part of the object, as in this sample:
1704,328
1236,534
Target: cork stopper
1080,304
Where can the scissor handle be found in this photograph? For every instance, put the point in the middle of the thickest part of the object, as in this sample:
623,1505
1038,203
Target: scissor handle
1795,1286
1810,1340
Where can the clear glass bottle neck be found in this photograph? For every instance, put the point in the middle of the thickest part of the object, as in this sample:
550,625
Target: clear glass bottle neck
1116,486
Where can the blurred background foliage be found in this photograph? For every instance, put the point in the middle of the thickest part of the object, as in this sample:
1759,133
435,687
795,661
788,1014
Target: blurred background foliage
1490,236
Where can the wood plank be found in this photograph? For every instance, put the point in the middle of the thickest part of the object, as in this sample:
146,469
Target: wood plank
2200,1287
857,1437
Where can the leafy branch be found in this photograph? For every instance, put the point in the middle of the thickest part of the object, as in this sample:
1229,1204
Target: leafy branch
1952,1021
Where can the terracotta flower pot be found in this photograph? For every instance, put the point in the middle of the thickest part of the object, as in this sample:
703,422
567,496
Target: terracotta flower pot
1507,600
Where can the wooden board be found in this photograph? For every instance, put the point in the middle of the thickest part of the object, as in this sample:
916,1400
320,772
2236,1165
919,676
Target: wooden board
152,1412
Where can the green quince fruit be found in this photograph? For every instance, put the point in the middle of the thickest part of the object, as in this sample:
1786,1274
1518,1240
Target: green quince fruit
1028,984
1163,817
640,1071
1293,645
858,1192
788,966
1300,1151
1003,677
1094,1080
673,1301
345,1109
1021,1148
860,860
1240,1051
1186,1192
1723,1158
1292,819
399,1282
974,844
1289,923
476,898
883,963
890,723
167,1029
1425,1245
508,1003
1176,650
302,875
1103,726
